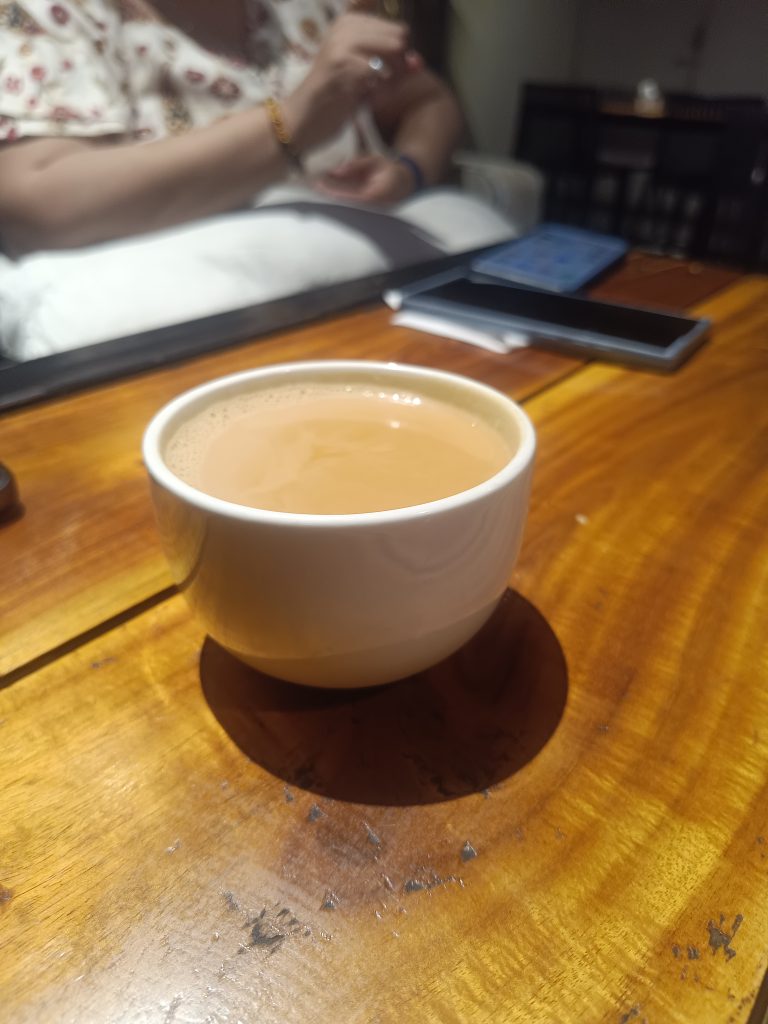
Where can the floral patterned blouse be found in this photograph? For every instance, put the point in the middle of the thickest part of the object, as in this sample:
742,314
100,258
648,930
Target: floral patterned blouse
86,68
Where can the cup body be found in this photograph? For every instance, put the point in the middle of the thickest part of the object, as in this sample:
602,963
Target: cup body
344,600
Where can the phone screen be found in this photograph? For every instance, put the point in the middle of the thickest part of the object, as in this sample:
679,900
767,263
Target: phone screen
657,330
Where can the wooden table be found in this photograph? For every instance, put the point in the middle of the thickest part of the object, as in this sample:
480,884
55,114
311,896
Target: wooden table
568,821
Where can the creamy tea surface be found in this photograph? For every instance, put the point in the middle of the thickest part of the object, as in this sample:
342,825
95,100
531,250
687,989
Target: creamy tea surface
330,447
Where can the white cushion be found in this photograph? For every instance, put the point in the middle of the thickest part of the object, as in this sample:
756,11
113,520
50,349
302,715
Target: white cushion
54,301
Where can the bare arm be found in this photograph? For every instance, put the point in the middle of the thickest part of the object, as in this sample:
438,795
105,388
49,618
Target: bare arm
420,117
57,193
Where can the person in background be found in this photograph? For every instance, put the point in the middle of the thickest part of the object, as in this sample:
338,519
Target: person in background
119,117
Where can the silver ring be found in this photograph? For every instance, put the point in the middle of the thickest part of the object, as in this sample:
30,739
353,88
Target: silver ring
376,64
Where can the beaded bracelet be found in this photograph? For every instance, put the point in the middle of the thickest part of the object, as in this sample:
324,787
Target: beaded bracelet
418,175
282,134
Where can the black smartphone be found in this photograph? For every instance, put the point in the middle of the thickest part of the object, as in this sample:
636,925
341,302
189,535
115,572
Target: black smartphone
567,323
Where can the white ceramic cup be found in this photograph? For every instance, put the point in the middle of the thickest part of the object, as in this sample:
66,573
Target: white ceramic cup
345,600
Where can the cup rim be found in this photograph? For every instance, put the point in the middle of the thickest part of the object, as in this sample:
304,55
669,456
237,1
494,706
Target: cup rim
282,372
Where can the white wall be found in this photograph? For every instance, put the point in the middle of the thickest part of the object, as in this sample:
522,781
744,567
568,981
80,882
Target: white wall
494,46
734,58
618,42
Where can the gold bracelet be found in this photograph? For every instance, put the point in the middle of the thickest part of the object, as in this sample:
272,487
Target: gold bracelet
282,134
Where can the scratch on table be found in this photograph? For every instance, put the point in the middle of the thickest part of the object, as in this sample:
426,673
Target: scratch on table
103,661
719,938
269,931
172,1008
373,838
414,885
430,880
632,1012
468,852
330,901
231,900
265,936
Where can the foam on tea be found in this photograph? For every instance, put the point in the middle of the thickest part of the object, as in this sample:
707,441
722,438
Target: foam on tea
335,447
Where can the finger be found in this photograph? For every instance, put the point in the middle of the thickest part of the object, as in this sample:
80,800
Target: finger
375,35
390,43
372,191
350,168
414,61
326,188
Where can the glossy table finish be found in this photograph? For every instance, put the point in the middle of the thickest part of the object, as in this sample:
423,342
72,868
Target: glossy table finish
567,821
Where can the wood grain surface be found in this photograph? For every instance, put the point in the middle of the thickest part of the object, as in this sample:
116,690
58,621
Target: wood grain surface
566,822
86,548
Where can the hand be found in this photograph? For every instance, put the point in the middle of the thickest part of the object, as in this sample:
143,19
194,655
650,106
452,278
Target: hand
375,178
341,78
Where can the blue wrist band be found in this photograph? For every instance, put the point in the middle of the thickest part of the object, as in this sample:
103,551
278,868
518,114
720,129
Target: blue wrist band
413,167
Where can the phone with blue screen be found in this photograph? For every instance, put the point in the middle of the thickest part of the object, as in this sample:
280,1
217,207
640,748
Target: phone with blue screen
553,257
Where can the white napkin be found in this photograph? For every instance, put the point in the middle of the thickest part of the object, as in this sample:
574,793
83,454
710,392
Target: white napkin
503,342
